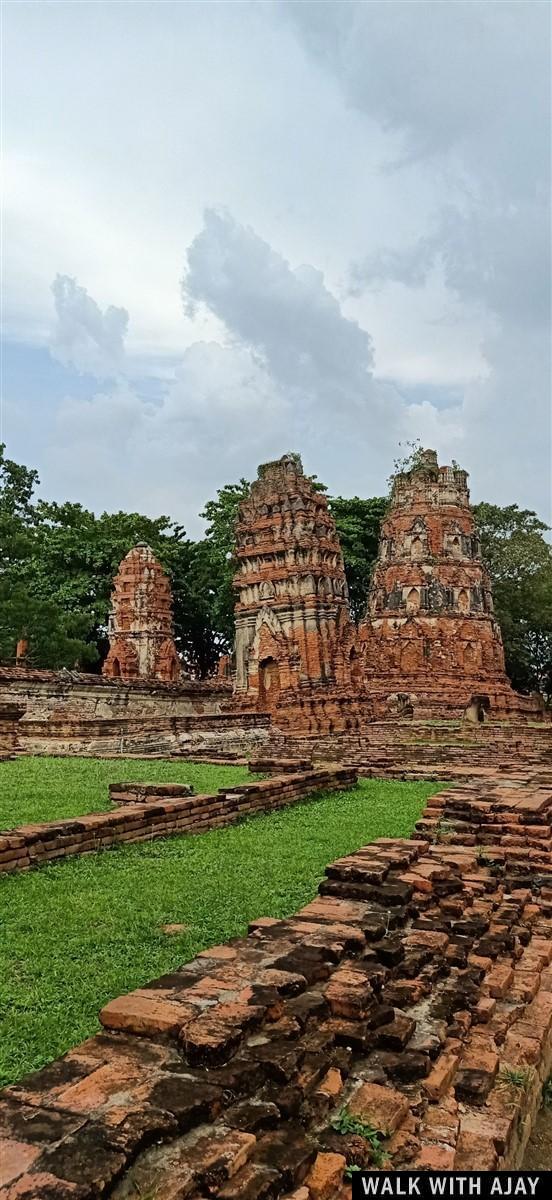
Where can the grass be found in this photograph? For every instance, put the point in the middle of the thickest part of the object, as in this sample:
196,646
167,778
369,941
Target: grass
75,934
346,1123
515,1077
49,789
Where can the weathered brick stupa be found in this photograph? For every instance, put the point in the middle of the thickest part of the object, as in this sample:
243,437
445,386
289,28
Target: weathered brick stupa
141,622
432,645
295,644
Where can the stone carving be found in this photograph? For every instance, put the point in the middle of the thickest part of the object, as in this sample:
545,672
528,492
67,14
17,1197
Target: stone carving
141,644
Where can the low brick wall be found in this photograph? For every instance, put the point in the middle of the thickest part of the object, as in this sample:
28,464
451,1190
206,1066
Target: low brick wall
160,810
415,993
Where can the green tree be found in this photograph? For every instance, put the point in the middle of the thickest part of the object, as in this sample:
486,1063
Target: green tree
219,563
519,560
17,515
358,524
55,637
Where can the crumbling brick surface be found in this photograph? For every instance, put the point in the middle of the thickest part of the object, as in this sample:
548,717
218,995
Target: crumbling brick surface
71,712
141,644
10,715
413,997
431,642
295,644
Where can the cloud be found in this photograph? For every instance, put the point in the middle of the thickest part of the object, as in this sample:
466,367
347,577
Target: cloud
399,150
290,370
465,89
286,315
468,77
84,336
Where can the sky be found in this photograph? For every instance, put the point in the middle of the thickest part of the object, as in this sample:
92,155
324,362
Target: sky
232,230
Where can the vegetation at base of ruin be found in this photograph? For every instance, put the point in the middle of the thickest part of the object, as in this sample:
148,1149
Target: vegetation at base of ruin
57,563
346,1123
516,1078
51,789
78,933
547,1092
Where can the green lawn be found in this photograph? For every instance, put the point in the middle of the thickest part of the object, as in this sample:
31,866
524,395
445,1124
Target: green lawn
48,789
75,934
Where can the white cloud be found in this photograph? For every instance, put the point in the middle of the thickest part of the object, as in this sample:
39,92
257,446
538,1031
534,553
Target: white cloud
287,316
84,336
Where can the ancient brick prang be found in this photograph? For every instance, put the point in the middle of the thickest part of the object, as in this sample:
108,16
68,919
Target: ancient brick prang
295,644
431,639
141,624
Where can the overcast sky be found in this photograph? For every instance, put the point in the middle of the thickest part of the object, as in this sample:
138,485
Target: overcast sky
237,229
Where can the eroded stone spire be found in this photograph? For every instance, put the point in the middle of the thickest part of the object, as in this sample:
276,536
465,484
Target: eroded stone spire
431,635
292,621
141,644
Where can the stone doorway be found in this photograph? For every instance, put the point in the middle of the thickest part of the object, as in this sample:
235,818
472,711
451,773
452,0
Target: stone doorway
269,682
477,710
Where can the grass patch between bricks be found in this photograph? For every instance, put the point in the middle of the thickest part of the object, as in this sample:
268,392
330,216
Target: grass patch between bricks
51,789
74,935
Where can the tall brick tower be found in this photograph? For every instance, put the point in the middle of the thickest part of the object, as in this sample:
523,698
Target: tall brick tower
141,644
294,639
431,640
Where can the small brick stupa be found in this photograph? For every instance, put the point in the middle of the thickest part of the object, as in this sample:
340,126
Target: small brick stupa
431,641
295,653
141,644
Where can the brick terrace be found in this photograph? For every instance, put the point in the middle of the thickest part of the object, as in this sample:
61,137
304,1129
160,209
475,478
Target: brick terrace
415,991
154,810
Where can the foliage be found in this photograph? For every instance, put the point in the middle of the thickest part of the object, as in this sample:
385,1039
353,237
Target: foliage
519,560
547,1092
346,1123
515,1077
57,635
221,516
410,461
78,933
358,525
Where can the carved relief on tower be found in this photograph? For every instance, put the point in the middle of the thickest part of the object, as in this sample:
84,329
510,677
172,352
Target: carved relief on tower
430,605
293,631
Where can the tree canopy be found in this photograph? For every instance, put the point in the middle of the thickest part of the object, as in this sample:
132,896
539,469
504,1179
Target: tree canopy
57,563
520,565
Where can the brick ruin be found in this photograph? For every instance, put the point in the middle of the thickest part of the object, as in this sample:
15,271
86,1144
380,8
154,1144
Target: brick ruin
295,644
431,643
413,994
141,643
75,713
10,715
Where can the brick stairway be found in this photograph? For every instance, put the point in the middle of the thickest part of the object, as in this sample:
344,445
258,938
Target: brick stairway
414,996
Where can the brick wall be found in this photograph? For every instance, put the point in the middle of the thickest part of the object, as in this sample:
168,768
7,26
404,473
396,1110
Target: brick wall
160,813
